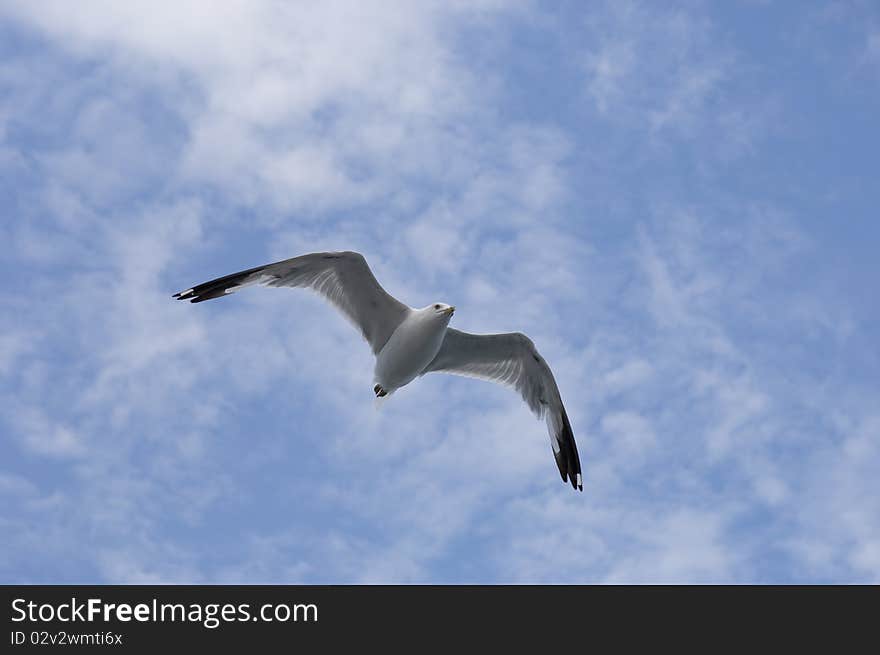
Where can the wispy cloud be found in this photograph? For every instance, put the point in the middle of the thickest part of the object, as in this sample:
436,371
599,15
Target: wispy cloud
665,66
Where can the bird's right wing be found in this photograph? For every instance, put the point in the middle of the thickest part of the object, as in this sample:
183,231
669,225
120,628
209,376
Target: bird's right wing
343,278
512,359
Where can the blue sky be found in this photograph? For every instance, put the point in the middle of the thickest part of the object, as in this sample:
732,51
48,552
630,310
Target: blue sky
677,203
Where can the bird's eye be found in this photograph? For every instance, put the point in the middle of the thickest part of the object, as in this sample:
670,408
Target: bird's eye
436,306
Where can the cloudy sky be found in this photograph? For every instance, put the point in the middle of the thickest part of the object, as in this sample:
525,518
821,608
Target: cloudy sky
677,203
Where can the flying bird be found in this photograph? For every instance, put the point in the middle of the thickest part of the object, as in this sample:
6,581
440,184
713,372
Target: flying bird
410,342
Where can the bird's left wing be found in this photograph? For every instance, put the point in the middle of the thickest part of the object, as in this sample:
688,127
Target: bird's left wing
343,278
512,359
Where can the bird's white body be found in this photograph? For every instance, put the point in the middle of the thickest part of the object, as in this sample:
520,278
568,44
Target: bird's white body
412,346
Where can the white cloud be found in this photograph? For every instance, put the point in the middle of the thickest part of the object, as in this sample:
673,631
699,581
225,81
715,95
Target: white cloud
627,375
671,76
307,109
684,545
644,63
43,436
631,433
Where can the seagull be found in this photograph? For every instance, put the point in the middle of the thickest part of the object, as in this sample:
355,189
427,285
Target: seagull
408,343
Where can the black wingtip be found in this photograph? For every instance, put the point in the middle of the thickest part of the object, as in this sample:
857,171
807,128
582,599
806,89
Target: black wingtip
567,458
218,288
200,295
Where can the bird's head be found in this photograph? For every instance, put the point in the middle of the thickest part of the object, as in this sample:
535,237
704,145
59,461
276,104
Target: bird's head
441,310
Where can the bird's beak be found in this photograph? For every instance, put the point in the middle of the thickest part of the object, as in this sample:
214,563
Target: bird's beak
450,310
